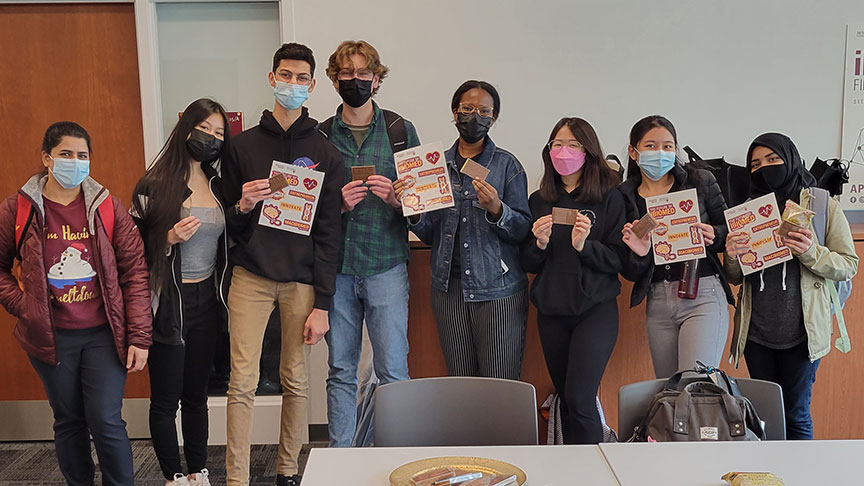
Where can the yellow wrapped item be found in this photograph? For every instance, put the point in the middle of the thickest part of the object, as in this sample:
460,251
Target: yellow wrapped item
752,479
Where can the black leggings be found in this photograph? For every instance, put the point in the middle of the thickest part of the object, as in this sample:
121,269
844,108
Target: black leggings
180,374
577,349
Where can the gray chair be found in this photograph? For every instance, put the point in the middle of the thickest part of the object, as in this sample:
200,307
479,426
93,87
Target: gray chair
766,397
455,411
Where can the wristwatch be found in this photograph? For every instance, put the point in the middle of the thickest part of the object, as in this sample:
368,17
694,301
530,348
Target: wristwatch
237,208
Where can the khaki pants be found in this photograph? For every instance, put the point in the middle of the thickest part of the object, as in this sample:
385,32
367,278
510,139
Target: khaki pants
250,301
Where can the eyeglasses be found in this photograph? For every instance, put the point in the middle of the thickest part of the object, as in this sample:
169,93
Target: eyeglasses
361,74
286,76
466,109
574,144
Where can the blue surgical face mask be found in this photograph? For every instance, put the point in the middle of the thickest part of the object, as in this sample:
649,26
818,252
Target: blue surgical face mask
291,96
656,163
70,173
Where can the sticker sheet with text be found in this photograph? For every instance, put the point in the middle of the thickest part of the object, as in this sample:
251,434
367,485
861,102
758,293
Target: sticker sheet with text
423,172
676,238
292,208
760,219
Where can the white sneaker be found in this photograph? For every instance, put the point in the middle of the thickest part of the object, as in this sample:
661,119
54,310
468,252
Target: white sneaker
179,480
200,479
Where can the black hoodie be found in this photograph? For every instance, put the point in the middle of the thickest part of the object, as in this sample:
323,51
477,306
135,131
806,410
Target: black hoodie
272,253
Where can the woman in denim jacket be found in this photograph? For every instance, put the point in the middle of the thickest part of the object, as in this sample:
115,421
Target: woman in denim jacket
479,291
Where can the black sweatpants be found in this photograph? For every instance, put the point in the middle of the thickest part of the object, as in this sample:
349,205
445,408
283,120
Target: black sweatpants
577,349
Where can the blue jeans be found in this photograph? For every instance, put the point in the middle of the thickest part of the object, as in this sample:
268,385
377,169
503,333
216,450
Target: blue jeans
793,371
86,393
383,300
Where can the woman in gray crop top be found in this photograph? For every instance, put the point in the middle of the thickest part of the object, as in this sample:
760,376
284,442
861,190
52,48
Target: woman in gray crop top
179,209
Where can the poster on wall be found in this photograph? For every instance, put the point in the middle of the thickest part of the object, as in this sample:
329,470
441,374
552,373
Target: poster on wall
235,121
852,148
676,238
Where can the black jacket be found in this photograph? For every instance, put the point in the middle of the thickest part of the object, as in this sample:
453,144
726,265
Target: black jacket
568,282
272,253
168,315
640,270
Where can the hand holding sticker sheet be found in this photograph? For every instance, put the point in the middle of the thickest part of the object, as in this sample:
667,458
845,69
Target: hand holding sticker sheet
760,219
676,237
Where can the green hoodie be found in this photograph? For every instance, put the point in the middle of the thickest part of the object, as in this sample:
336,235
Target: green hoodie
821,266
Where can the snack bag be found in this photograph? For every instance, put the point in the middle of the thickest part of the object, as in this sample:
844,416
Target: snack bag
794,217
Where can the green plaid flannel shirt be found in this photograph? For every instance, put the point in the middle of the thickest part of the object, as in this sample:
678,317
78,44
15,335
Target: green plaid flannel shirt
375,235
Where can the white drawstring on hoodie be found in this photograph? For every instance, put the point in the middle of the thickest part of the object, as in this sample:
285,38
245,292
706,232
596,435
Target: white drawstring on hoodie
762,278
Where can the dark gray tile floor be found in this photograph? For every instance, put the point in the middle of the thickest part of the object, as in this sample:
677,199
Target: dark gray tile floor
35,464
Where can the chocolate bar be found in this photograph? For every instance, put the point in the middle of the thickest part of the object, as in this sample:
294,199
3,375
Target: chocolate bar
278,182
644,226
564,216
362,172
474,170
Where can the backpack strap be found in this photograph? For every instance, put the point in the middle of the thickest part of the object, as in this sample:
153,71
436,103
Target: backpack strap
842,343
396,131
326,127
819,205
106,214
23,218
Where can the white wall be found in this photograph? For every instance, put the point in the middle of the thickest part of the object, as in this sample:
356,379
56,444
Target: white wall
722,71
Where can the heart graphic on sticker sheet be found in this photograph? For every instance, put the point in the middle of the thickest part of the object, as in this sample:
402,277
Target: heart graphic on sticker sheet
766,210
310,183
686,205
433,157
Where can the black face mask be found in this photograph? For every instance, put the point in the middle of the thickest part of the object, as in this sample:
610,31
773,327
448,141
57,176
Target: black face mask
473,128
355,92
768,179
203,147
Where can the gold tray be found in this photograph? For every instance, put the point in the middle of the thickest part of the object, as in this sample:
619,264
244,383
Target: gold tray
402,475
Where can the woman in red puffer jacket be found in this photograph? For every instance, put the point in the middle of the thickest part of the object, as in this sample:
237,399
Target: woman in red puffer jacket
82,301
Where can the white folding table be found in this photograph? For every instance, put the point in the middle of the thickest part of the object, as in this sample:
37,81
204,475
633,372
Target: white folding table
798,463
543,465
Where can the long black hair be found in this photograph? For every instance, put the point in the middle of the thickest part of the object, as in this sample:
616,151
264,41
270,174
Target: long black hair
164,186
597,178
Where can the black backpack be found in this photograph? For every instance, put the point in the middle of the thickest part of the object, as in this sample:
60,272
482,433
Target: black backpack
396,130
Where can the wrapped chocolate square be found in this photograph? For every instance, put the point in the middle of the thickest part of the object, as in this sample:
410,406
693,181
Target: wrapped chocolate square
794,218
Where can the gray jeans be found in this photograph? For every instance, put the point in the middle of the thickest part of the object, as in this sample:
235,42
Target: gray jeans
682,331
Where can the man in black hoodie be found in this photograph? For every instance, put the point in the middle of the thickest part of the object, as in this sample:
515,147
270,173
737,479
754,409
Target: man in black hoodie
274,266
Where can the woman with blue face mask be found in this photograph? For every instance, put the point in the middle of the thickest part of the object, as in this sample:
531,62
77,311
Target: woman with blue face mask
82,300
680,330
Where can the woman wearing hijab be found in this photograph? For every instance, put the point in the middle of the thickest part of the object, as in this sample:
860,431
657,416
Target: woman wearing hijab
783,321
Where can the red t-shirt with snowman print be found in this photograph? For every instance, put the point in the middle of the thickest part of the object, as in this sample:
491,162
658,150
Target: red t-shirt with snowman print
76,298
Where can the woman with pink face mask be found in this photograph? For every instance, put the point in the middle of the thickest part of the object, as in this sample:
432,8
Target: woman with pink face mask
576,253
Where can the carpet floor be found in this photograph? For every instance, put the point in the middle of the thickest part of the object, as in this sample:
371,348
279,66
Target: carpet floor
35,464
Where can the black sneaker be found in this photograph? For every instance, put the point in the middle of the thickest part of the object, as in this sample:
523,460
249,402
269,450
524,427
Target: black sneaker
288,480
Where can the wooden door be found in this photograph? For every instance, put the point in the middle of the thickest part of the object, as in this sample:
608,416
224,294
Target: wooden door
73,62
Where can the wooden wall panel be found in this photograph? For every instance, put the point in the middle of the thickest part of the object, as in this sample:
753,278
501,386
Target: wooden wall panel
73,62
837,413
